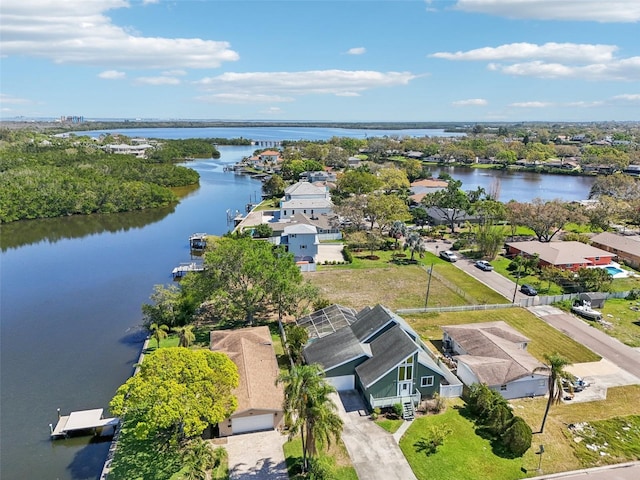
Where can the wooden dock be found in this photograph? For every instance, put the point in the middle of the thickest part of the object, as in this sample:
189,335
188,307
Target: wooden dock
84,420
184,268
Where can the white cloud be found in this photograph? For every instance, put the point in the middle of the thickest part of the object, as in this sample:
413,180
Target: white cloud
243,98
628,97
585,104
174,73
356,51
336,82
80,32
157,81
603,11
567,52
531,104
619,70
272,111
472,102
112,75
9,99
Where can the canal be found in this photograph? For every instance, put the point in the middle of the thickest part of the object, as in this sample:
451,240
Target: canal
71,291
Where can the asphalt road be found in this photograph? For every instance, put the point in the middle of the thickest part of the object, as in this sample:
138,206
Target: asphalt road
625,357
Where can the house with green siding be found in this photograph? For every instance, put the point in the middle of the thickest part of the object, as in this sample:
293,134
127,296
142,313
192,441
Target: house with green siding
377,353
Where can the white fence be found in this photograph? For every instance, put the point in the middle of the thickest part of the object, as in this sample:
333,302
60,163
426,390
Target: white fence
390,401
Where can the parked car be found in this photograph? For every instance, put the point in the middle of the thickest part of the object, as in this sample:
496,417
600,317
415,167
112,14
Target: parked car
448,255
484,265
528,290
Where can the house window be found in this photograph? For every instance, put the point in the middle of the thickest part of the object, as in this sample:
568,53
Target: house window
569,265
426,381
542,383
597,258
405,372
503,388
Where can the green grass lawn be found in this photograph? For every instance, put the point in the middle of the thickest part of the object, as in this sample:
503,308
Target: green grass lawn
389,424
337,455
463,455
544,338
367,282
624,315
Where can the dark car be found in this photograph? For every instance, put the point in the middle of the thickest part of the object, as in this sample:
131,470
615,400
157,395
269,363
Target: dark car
528,290
484,265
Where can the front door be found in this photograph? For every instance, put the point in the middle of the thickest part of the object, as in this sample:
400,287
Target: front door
404,388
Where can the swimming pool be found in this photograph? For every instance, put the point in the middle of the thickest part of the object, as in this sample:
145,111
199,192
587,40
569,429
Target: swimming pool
613,271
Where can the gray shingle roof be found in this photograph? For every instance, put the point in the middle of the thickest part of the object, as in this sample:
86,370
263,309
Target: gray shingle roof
335,349
391,348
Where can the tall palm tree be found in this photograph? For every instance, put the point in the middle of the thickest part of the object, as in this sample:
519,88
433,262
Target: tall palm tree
398,229
158,332
556,369
186,336
415,245
308,409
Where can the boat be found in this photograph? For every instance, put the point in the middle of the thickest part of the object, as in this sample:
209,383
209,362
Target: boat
586,311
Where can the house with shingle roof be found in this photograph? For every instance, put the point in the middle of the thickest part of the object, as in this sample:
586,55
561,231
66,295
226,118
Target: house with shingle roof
495,354
377,353
259,398
565,255
306,198
625,247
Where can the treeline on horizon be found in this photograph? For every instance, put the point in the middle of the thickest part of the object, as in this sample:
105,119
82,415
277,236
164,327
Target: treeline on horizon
56,180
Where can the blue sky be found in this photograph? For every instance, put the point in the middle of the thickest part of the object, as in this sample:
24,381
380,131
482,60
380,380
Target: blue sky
323,60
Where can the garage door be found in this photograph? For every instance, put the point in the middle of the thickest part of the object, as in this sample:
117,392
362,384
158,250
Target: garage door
252,423
345,382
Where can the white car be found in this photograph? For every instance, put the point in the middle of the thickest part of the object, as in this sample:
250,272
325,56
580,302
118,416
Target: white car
448,255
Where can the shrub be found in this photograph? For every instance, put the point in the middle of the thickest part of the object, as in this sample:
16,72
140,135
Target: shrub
346,254
397,409
517,437
634,294
432,440
320,468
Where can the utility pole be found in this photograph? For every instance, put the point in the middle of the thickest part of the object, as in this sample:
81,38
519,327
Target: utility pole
426,300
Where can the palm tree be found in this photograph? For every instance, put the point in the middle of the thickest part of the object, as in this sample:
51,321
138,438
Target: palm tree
198,457
557,373
158,332
308,408
186,336
414,244
398,229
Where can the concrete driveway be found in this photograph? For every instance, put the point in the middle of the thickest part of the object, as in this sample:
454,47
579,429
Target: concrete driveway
257,456
330,252
374,452
599,376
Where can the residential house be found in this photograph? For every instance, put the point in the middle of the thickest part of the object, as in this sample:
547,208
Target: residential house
319,177
302,241
420,188
267,160
303,197
625,247
259,398
443,216
565,255
378,354
495,354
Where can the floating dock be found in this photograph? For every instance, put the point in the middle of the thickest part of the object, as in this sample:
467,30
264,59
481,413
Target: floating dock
184,268
83,420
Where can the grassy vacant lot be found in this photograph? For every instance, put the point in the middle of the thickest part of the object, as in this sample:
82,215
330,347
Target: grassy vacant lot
624,315
336,454
544,338
368,282
465,455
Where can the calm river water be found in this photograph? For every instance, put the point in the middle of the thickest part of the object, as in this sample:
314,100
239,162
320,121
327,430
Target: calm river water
71,291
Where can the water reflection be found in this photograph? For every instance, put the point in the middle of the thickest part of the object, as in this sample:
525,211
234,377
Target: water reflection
52,230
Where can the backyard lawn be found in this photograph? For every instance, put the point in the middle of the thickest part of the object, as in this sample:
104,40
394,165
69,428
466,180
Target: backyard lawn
624,317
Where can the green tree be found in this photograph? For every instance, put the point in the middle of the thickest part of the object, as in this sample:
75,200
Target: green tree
178,391
198,457
517,437
452,203
546,218
397,231
413,168
159,332
393,179
555,367
243,277
593,279
297,338
383,210
274,186
263,230
357,182
309,411
186,336
166,307
415,244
